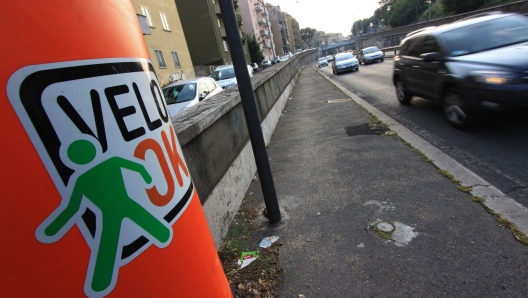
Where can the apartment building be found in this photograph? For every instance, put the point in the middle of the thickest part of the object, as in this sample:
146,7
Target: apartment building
205,33
276,23
296,32
166,42
256,22
289,30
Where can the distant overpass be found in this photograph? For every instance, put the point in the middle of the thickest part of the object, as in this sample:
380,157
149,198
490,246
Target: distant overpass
351,43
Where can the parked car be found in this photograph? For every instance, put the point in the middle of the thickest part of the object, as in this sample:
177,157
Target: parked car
277,59
284,58
181,95
330,58
321,62
371,54
255,67
225,75
343,62
479,63
266,63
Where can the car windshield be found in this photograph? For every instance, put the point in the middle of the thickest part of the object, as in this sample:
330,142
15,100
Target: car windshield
370,50
322,59
328,56
222,74
487,35
343,57
179,93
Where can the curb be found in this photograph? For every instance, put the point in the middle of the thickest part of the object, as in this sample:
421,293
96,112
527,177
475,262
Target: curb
493,199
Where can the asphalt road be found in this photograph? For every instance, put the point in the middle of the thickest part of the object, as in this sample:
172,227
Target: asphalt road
495,149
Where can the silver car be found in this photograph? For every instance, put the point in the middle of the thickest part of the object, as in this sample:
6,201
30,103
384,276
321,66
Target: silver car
322,62
369,55
344,62
182,95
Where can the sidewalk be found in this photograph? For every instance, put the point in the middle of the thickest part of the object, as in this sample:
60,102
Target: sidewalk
336,178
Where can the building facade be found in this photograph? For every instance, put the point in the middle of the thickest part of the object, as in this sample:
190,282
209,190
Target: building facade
276,21
166,42
205,33
256,22
296,32
289,32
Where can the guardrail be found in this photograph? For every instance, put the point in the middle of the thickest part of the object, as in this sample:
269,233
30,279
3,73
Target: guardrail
390,49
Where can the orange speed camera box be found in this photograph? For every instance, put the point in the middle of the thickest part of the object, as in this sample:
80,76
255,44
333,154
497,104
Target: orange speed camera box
96,198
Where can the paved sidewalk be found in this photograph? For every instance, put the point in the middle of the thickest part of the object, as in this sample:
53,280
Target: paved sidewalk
336,178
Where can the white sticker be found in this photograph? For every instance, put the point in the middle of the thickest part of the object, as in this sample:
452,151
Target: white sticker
102,130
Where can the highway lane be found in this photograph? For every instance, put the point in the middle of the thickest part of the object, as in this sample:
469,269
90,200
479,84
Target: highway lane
495,149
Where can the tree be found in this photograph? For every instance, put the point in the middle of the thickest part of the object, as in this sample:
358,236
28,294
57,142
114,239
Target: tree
461,6
404,12
307,35
255,52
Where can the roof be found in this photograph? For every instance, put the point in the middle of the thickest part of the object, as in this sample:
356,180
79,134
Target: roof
461,23
190,81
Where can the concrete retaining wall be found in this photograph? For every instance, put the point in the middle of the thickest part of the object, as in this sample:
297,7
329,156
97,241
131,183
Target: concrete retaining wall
215,140
393,37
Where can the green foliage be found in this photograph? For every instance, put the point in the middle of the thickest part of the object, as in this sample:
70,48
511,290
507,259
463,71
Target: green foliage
404,12
307,35
255,52
461,6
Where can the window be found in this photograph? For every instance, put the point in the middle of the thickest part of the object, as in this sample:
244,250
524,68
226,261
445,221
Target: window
410,48
176,59
225,45
430,45
210,85
145,11
202,89
161,60
219,24
164,21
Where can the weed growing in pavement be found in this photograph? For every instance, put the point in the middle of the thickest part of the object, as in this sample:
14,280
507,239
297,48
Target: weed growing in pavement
236,239
477,199
449,176
384,235
504,223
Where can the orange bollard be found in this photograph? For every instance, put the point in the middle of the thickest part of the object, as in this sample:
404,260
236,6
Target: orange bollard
96,198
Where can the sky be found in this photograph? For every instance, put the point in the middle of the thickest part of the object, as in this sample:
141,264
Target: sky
331,16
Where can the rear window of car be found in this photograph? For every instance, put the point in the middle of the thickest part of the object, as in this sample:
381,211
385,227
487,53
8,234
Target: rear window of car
486,35
222,74
180,93
344,57
370,50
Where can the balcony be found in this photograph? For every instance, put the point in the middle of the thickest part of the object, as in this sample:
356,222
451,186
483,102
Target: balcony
266,45
235,3
239,19
264,33
223,32
264,13
217,10
258,8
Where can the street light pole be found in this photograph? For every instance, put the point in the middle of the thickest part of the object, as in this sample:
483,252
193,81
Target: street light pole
388,16
429,8
250,111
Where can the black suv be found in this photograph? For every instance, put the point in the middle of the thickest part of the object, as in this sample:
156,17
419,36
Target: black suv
479,63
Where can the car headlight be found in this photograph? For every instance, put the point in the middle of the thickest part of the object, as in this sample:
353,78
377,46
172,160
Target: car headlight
494,77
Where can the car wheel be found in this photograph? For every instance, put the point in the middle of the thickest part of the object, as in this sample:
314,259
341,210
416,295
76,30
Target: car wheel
333,70
403,95
456,110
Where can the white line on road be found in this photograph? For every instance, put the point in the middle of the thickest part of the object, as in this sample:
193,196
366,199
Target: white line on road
494,199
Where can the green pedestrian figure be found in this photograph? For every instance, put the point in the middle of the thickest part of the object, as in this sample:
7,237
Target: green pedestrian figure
103,185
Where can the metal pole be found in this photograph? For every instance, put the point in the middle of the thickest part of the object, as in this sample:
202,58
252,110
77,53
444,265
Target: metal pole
250,110
429,10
